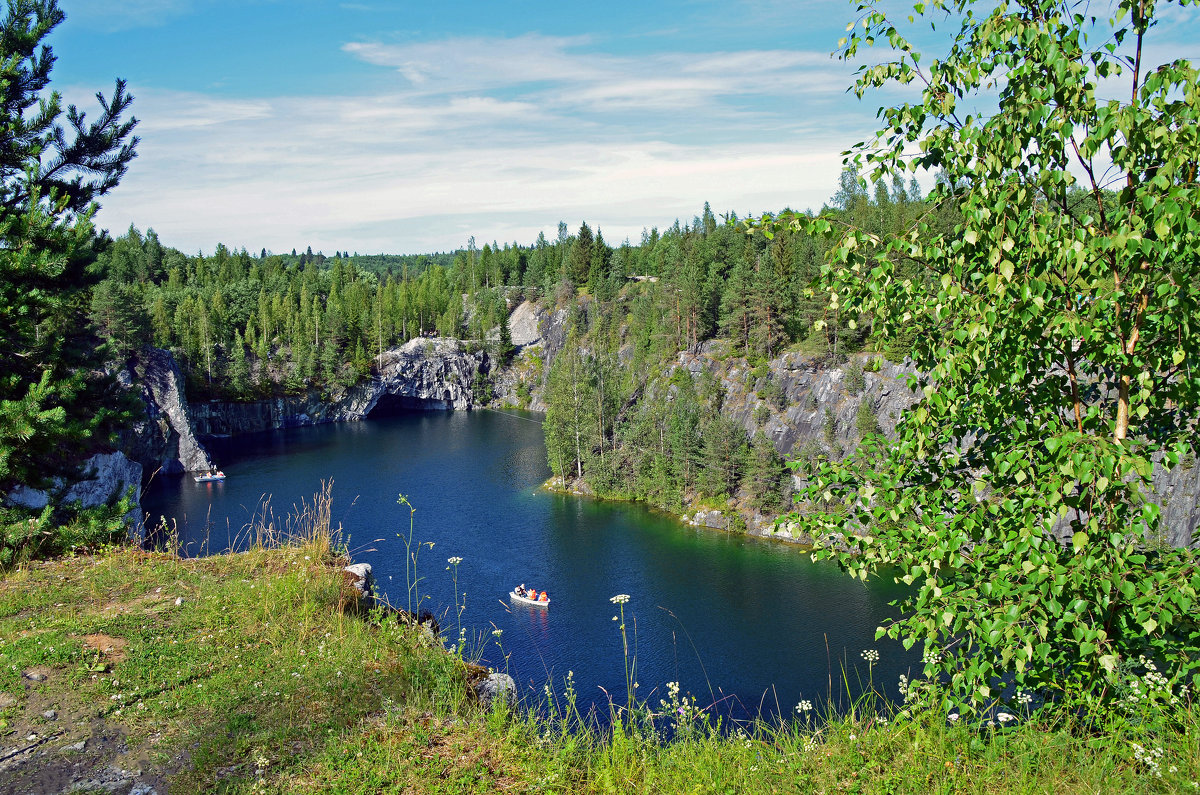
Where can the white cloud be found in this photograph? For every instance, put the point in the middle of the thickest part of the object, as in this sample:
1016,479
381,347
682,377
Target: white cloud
496,138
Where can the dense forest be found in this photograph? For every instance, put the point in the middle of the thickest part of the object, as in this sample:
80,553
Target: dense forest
246,326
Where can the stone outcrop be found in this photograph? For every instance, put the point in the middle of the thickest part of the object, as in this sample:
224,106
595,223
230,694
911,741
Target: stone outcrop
164,439
539,334
424,374
811,389
1178,494
104,478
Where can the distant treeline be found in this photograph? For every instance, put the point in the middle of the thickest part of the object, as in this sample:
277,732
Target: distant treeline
246,326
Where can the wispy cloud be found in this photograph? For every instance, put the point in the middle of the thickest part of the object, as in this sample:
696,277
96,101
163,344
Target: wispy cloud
496,138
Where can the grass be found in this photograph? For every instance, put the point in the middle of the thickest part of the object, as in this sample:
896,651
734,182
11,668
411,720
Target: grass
243,673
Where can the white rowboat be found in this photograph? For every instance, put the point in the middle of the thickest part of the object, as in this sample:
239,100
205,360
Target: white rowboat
210,477
527,600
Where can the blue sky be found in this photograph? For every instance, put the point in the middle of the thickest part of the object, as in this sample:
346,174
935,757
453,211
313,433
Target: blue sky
410,126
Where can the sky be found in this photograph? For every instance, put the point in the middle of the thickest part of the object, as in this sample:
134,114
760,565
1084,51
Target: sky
404,127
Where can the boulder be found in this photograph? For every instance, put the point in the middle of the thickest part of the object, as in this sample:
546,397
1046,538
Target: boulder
496,686
361,579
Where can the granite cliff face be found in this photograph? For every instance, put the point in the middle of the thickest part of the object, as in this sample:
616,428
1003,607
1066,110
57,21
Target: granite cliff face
163,440
423,374
820,409
810,389
538,334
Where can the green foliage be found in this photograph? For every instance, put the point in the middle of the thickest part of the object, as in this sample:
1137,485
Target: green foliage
53,402
855,380
1054,337
34,535
772,391
866,422
766,475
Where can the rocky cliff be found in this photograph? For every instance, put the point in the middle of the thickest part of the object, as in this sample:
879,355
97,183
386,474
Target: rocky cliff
104,478
816,409
813,394
163,439
423,374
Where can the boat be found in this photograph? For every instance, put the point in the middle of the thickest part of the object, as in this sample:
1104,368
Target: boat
527,600
209,477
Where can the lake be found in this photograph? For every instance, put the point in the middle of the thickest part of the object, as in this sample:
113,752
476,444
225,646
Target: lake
749,625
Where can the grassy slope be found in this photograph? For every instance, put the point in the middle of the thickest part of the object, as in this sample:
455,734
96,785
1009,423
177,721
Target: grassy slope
256,681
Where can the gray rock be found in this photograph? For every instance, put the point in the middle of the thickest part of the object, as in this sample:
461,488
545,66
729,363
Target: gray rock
35,677
714,519
109,476
74,747
427,374
7,700
25,497
104,478
163,440
362,579
50,714
523,325
497,686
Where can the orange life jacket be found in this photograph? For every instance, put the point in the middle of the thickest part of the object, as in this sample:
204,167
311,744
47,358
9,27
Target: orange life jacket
544,597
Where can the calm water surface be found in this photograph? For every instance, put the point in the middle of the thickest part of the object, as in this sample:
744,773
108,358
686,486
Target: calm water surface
752,625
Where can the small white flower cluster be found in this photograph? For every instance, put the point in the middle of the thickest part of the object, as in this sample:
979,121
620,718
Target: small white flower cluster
454,561
620,599
681,709
1152,686
931,657
1150,758
804,706
871,656
1024,698
1005,717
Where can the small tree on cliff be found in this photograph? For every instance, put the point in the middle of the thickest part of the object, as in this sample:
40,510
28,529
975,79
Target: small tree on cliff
51,404
1057,345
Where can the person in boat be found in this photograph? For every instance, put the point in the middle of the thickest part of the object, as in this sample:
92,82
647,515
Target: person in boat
545,597
533,594
520,590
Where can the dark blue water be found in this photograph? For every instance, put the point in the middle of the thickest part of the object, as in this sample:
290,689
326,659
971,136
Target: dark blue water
751,625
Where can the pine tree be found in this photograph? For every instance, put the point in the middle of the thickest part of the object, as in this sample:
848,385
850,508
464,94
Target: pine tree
50,176
505,348
580,259
765,474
